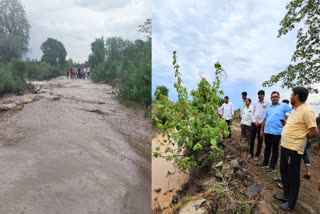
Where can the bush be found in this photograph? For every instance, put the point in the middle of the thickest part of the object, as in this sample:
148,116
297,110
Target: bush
40,71
193,127
11,77
100,73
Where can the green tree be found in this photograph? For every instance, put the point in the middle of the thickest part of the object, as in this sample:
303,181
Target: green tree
163,90
146,28
54,52
98,53
193,127
14,30
306,57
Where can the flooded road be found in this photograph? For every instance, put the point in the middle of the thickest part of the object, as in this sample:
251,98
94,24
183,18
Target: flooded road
73,148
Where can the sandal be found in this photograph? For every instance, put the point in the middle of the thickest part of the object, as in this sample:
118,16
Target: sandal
249,156
255,158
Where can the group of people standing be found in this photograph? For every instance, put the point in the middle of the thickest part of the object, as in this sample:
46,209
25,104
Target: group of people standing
78,72
279,124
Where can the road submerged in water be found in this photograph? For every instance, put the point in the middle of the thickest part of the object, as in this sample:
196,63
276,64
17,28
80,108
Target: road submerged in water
73,148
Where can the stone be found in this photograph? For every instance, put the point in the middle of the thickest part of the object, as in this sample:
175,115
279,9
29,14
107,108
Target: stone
253,191
194,207
235,164
157,189
6,107
205,182
264,208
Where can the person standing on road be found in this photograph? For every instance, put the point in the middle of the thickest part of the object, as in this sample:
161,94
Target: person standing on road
271,128
246,120
300,126
244,97
258,112
227,112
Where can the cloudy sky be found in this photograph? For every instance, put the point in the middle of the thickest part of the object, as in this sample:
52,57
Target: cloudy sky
241,34
77,23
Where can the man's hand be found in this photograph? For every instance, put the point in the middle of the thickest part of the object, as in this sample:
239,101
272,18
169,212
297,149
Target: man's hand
257,123
261,133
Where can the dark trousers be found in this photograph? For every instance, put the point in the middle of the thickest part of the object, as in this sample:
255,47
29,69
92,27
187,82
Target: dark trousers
246,132
272,144
305,156
255,131
229,127
290,175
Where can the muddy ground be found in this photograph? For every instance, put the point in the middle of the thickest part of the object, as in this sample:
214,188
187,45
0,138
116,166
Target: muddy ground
309,197
73,148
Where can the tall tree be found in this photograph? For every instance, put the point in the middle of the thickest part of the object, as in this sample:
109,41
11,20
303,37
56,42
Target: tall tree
98,53
306,58
54,52
14,30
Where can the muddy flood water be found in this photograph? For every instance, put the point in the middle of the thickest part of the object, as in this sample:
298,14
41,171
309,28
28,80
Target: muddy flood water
73,148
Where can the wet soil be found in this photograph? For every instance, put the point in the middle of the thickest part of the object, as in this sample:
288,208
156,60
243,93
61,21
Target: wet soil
73,148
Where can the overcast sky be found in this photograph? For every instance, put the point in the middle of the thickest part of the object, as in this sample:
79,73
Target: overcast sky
77,23
241,34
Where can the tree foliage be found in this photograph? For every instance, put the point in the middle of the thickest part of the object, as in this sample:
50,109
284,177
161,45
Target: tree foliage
54,52
98,53
14,30
130,63
306,58
193,127
162,90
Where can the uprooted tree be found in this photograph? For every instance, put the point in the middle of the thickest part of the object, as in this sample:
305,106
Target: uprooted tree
306,57
193,127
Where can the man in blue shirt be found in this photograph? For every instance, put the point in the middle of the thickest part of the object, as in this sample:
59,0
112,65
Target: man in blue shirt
272,128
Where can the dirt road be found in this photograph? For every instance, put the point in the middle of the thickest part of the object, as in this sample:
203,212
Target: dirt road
73,148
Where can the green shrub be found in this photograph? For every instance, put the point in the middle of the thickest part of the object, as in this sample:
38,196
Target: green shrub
11,78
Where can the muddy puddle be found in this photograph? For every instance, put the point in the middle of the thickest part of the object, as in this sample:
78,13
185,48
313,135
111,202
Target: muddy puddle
73,148
164,186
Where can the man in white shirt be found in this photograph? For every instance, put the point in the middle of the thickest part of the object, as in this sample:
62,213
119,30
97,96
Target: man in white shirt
258,112
246,119
227,113
243,128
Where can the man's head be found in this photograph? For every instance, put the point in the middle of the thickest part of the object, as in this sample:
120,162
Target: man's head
275,96
244,95
286,101
261,95
299,95
248,102
226,99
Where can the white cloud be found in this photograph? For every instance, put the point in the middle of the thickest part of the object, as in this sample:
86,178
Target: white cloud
241,34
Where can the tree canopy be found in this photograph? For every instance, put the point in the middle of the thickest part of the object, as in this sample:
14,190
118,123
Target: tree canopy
305,66
54,52
98,53
14,30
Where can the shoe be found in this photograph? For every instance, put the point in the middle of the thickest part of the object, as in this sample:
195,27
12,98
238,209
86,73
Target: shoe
307,176
256,158
285,207
262,166
280,197
270,170
249,156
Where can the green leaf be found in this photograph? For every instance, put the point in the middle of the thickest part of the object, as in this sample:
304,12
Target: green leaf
198,146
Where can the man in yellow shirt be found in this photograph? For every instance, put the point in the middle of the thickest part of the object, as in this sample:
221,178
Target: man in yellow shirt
301,124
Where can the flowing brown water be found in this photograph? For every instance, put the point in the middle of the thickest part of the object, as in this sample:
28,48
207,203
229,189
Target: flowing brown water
74,149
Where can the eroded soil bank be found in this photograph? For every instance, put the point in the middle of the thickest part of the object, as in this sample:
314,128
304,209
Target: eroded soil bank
73,148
